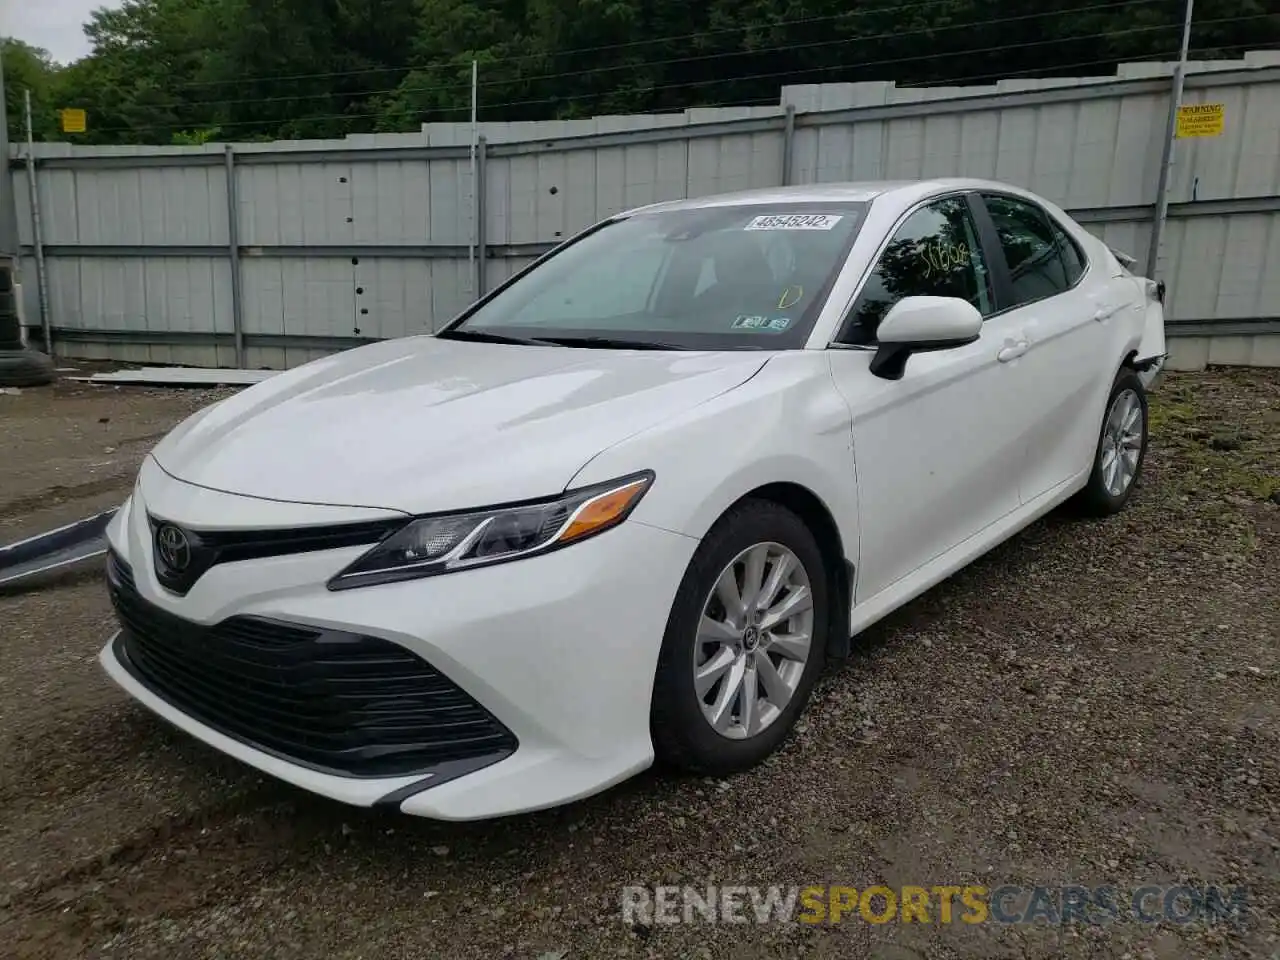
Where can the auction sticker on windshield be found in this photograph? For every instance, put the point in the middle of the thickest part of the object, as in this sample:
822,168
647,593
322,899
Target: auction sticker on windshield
794,221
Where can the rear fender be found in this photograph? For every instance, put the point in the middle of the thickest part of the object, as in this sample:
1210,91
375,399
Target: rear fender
1151,349
1125,288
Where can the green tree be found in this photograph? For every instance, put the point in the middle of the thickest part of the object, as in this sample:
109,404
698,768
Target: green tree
264,69
28,68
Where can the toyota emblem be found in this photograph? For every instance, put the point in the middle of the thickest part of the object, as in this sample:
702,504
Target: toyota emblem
173,547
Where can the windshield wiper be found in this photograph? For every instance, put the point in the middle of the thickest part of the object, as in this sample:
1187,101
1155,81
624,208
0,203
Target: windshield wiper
484,336
615,343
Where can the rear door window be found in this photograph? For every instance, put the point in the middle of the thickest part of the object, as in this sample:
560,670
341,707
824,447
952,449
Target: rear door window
1072,255
1043,261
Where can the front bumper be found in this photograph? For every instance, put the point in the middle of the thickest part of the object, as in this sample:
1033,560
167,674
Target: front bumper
561,649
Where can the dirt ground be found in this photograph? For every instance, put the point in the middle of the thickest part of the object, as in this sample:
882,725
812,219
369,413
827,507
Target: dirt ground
1092,703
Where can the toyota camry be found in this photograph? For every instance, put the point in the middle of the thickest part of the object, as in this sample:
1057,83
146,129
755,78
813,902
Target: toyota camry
624,508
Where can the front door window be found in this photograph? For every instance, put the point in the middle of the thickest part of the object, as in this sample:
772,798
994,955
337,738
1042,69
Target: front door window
934,253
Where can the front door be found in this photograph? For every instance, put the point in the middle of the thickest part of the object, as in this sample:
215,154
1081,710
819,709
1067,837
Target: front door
937,452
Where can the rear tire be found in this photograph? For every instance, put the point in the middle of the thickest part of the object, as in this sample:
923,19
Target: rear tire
730,683
1121,449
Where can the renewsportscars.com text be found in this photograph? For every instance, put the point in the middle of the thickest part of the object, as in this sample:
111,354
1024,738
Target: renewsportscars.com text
935,904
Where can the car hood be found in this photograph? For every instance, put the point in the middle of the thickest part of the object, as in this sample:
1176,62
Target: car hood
423,425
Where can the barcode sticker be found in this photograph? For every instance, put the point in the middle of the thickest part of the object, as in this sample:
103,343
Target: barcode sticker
794,221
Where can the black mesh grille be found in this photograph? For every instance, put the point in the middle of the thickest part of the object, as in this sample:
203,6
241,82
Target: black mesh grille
247,545
335,701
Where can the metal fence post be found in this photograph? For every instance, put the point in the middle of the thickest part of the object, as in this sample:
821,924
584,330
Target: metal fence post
482,252
9,245
37,238
233,251
788,144
1166,159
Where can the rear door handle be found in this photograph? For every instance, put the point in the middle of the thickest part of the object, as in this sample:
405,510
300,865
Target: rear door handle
1012,351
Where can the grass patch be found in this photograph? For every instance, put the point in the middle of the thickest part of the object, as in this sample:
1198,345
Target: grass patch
1219,441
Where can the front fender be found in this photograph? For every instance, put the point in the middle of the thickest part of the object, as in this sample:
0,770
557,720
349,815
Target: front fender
787,424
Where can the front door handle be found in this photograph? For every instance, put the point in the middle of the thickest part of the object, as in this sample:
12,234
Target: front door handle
1012,351
1104,312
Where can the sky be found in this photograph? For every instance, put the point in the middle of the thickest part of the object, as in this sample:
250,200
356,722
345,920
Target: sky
52,24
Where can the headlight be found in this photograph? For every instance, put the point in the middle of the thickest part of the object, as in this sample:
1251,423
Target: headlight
447,542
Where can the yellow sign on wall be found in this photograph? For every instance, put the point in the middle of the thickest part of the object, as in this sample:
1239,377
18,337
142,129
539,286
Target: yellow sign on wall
1201,120
73,120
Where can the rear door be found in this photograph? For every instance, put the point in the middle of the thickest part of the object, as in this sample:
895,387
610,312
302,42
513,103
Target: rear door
1067,309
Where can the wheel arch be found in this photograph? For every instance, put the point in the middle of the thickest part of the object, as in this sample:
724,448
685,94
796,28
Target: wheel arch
784,436
817,516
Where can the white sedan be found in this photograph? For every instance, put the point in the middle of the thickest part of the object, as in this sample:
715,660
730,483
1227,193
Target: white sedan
625,507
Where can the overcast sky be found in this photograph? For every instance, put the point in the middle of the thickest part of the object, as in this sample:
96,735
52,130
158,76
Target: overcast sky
52,24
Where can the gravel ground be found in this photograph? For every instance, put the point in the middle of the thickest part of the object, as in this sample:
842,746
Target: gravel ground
1092,703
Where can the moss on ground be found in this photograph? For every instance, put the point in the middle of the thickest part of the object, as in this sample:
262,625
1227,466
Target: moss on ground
1223,432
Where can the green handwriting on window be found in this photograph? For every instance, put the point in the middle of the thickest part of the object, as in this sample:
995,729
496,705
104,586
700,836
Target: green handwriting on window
944,258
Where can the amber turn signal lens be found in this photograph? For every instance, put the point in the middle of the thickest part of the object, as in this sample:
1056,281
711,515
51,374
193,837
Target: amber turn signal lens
604,510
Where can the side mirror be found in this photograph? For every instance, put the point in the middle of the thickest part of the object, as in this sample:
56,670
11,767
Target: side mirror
920,325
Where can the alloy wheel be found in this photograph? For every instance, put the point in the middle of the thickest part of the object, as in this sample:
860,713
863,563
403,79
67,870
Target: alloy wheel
754,639
1122,439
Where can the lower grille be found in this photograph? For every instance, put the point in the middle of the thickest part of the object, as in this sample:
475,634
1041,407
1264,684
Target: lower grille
334,701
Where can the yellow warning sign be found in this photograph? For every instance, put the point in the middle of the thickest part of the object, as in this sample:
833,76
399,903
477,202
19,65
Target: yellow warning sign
73,120
1201,120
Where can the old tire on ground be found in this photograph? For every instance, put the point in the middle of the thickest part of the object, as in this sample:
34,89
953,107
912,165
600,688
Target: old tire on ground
1121,449
25,368
744,644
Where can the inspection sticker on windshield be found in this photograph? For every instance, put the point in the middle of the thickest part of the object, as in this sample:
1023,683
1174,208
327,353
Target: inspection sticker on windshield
794,221
761,323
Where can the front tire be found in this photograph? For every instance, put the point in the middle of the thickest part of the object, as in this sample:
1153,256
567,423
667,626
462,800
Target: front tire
1121,449
744,643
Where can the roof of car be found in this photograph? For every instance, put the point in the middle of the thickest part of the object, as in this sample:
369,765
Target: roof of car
842,192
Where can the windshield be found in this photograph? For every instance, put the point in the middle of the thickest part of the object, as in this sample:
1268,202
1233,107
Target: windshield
730,277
